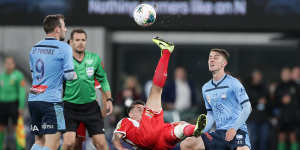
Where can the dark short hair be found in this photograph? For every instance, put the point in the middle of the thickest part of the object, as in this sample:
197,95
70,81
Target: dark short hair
136,102
50,22
221,51
77,31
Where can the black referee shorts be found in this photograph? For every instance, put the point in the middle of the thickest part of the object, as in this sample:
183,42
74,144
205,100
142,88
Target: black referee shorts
9,110
89,114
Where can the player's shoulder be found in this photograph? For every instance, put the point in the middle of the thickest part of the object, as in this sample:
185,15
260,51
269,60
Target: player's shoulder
129,121
122,122
18,73
206,85
62,44
232,78
233,81
53,43
92,54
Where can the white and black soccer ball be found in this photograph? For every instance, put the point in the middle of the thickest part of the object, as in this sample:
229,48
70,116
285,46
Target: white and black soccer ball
144,15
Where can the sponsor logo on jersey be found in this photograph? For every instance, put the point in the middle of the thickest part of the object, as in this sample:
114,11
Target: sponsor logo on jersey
90,71
149,113
38,88
223,96
208,98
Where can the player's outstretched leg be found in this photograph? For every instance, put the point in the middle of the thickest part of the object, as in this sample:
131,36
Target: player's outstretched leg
200,125
184,129
160,75
195,142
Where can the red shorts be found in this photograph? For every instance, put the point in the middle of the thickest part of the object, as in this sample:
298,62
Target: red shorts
156,132
81,131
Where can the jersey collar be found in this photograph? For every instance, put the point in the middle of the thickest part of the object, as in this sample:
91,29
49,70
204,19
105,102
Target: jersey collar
50,38
81,60
218,83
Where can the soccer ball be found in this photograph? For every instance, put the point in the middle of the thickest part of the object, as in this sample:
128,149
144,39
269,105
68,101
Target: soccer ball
144,15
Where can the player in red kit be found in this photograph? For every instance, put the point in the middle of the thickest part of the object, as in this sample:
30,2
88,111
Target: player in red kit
145,128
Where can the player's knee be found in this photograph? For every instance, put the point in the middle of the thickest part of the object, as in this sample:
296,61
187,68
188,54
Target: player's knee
100,143
243,148
69,142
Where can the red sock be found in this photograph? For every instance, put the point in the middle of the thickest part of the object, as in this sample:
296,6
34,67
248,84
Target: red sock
188,130
160,75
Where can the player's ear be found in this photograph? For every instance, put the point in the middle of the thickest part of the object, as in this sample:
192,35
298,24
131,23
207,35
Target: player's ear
57,29
224,64
130,114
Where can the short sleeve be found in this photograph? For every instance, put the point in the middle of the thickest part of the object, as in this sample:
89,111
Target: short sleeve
122,127
240,92
97,84
100,75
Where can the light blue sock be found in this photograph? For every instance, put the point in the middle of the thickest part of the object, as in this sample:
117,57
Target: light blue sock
45,148
36,147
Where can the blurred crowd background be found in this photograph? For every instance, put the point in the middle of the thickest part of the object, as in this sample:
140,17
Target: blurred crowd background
262,37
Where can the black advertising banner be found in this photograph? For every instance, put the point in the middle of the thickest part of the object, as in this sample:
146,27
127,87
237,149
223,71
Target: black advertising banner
205,15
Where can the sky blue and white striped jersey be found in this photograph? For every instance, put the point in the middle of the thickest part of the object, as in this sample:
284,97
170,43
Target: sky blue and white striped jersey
49,60
225,99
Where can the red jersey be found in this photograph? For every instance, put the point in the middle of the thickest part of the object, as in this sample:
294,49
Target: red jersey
150,133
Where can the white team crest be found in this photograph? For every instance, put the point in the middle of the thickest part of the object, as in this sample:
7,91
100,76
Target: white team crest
208,98
89,61
90,71
223,96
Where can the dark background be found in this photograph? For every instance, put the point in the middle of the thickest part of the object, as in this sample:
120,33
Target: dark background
261,16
